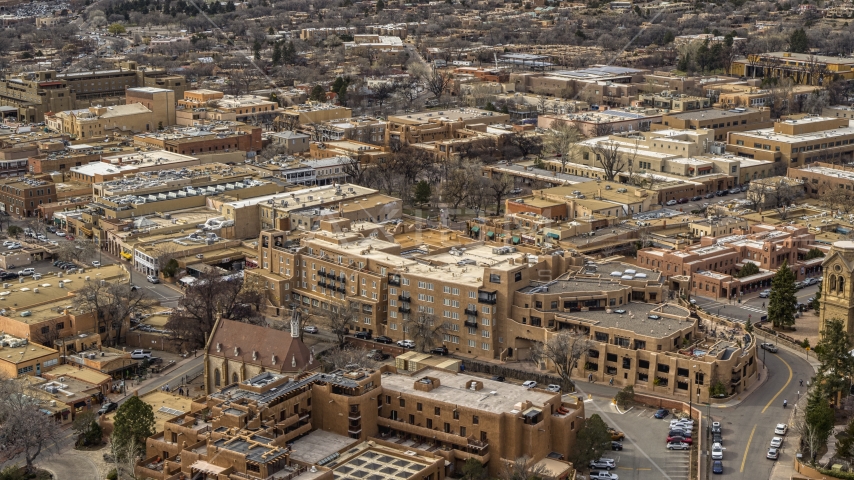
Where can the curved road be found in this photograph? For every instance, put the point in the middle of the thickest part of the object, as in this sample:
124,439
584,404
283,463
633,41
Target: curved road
748,426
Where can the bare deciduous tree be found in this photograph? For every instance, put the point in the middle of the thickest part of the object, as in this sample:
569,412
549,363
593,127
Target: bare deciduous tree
523,468
563,140
24,427
561,351
208,297
342,357
339,318
112,304
77,250
609,158
424,330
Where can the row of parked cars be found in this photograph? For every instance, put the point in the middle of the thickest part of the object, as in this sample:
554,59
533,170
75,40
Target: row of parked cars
719,193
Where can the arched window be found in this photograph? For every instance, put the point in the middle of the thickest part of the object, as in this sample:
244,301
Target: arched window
234,378
833,283
842,285
217,380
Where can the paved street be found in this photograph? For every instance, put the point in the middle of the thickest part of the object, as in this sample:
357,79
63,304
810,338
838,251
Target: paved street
752,307
747,426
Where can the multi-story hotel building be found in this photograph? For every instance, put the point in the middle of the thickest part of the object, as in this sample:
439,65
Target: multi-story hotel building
797,141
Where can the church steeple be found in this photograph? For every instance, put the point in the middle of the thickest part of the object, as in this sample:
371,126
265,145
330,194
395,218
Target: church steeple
836,288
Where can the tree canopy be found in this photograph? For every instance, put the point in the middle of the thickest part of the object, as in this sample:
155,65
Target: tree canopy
134,422
748,269
781,302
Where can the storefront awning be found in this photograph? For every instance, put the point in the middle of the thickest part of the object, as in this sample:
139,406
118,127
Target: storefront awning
515,239
553,235
490,234
475,229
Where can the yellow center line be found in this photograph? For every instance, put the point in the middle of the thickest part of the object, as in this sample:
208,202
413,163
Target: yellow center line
784,386
744,460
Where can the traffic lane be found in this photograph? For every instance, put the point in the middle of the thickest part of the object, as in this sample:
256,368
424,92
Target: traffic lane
645,455
752,308
749,426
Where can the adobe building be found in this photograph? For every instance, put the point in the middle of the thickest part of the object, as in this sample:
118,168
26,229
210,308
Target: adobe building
161,101
797,141
709,268
653,347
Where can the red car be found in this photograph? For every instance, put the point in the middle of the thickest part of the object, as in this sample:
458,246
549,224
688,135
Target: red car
676,438
69,237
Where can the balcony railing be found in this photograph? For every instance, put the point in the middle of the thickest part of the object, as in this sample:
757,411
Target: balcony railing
471,311
394,280
354,416
404,298
487,300
404,309
470,323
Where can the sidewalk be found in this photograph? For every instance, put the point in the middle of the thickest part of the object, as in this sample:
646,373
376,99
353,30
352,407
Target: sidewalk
743,395
783,470
156,381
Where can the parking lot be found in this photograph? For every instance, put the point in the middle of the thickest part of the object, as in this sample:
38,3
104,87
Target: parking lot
644,455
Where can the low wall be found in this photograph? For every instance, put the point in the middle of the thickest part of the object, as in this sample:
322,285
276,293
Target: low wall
804,471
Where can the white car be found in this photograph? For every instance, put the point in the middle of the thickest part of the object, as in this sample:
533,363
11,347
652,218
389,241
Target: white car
529,384
6,243
41,237
781,429
777,442
60,233
717,452
26,272
96,264
13,246
603,475
140,354
310,329
678,421
671,203
678,446
553,388
406,343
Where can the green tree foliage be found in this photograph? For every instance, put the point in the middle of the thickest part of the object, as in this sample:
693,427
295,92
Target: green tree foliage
798,41
669,37
832,353
14,231
591,442
229,7
748,269
116,28
318,94
277,53
380,6
748,327
845,442
625,397
781,303
684,63
423,192
171,268
818,414
473,470
717,389
87,429
256,48
134,421
814,253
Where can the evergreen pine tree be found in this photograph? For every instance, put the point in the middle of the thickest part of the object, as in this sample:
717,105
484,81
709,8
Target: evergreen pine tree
781,303
799,42
277,53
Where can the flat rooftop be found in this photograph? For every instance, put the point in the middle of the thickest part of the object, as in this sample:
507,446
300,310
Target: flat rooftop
376,462
452,390
714,114
635,319
318,445
25,353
